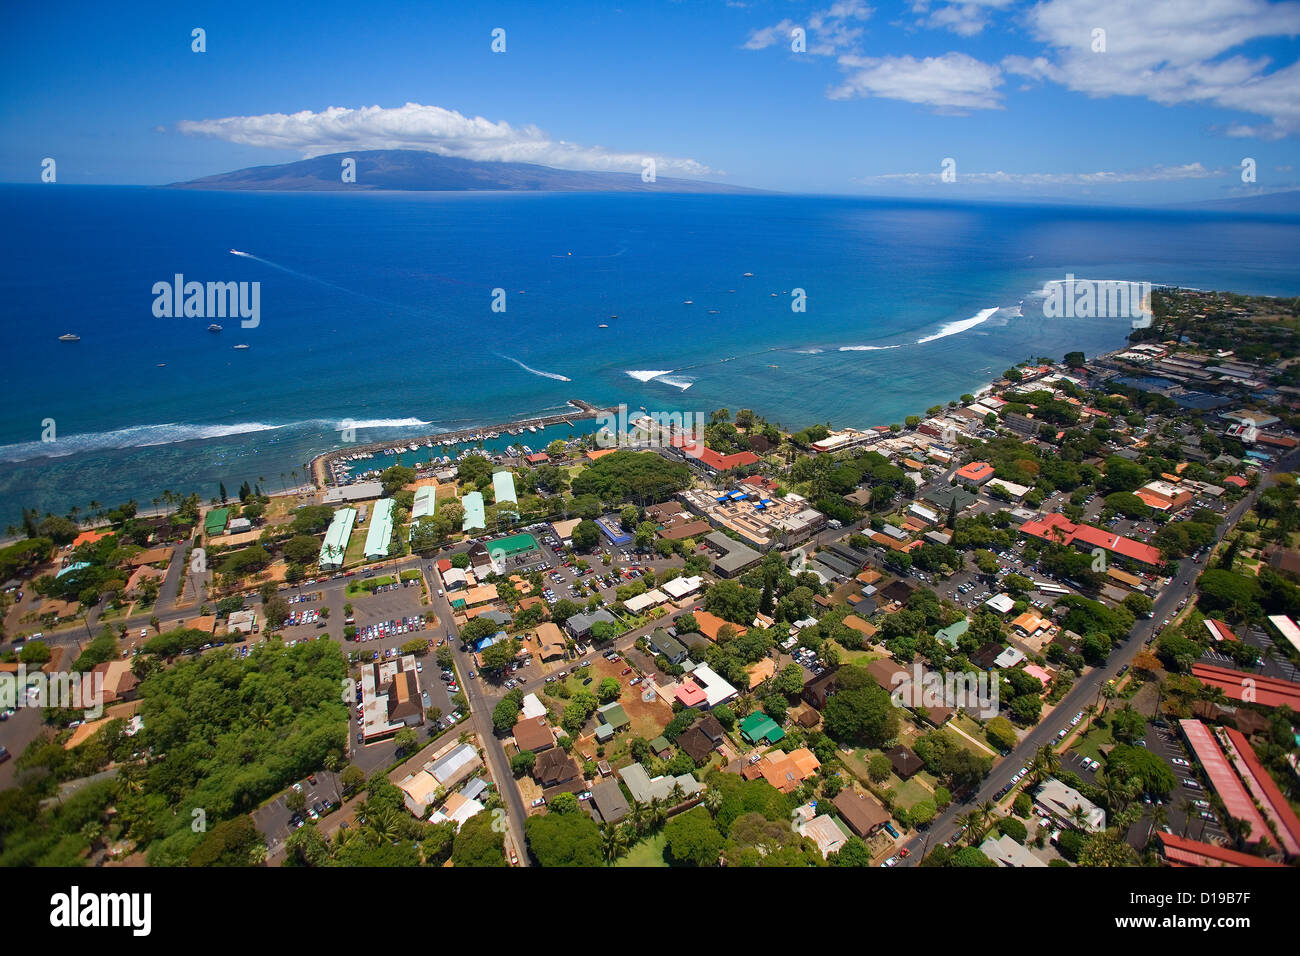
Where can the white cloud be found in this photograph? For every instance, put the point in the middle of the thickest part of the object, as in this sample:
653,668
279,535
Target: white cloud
953,82
1151,174
966,18
830,32
431,128
1171,52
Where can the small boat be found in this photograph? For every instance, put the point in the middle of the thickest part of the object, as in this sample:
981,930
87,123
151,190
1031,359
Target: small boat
69,337
603,325
214,327
713,311
774,366
689,302
241,346
613,316
162,364
749,275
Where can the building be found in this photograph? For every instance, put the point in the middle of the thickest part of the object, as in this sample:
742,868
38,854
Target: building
906,764
1237,800
475,516
1180,851
975,474
390,697
380,533
456,809
863,815
503,488
608,800
822,830
787,771
554,768
759,728
579,626
818,689
661,642
711,625
703,688
358,491
1245,687
551,644
679,588
733,558
1005,851
337,537
645,790
533,734
1061,802
1056,527
426,499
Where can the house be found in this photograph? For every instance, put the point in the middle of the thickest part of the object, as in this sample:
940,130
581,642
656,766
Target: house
661,642
554,768
119,682
610,719
532,707
863,815
533,734
608,800
759,728
1005,851
645,790
696,744
819,688
787,771
822,830
679,588
711,624
706,688
390,697
456,809
905,763
1000,603
579,626
551,644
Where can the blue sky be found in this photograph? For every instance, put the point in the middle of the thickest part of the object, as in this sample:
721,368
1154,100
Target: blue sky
1016,94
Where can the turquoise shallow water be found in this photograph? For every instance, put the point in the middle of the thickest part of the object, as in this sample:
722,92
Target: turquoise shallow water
378,308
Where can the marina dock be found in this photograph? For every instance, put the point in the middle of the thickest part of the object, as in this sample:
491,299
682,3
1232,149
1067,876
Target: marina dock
322,469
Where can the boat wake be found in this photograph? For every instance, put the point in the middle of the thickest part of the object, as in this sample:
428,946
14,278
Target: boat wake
662,376
868,348
555,375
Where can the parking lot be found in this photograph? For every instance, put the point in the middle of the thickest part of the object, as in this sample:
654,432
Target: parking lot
1203,824
322,795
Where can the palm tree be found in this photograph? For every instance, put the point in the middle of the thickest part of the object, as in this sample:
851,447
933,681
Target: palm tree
638,816
613,842
658,812
1186,807
712,801
677,794
1079,817
1113,790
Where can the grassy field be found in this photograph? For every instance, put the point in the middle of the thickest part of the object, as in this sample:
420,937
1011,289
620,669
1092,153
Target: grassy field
649,852
1091,743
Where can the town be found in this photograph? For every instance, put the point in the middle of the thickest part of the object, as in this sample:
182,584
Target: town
649,645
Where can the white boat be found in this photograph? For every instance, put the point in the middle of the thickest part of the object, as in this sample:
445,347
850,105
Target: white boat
69,337
241,346
214,327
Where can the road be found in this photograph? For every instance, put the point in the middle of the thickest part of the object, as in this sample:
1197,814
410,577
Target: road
1086,689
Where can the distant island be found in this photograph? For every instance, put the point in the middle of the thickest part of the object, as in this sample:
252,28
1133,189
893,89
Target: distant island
418,170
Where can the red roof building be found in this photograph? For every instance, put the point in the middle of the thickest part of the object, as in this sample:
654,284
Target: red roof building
1249,688
1265,791
1056,527
1179,851
1237,480
1223,778
976,472
710,458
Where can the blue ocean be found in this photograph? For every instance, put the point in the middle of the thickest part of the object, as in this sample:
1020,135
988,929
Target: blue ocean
406,314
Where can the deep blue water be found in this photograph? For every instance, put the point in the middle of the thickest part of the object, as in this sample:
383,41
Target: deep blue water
377,308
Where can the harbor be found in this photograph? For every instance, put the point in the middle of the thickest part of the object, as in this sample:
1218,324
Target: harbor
335,467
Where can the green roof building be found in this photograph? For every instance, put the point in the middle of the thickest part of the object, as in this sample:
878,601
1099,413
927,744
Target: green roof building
215,522
380,535
503,486
758,728
336,539
950,633
475,516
